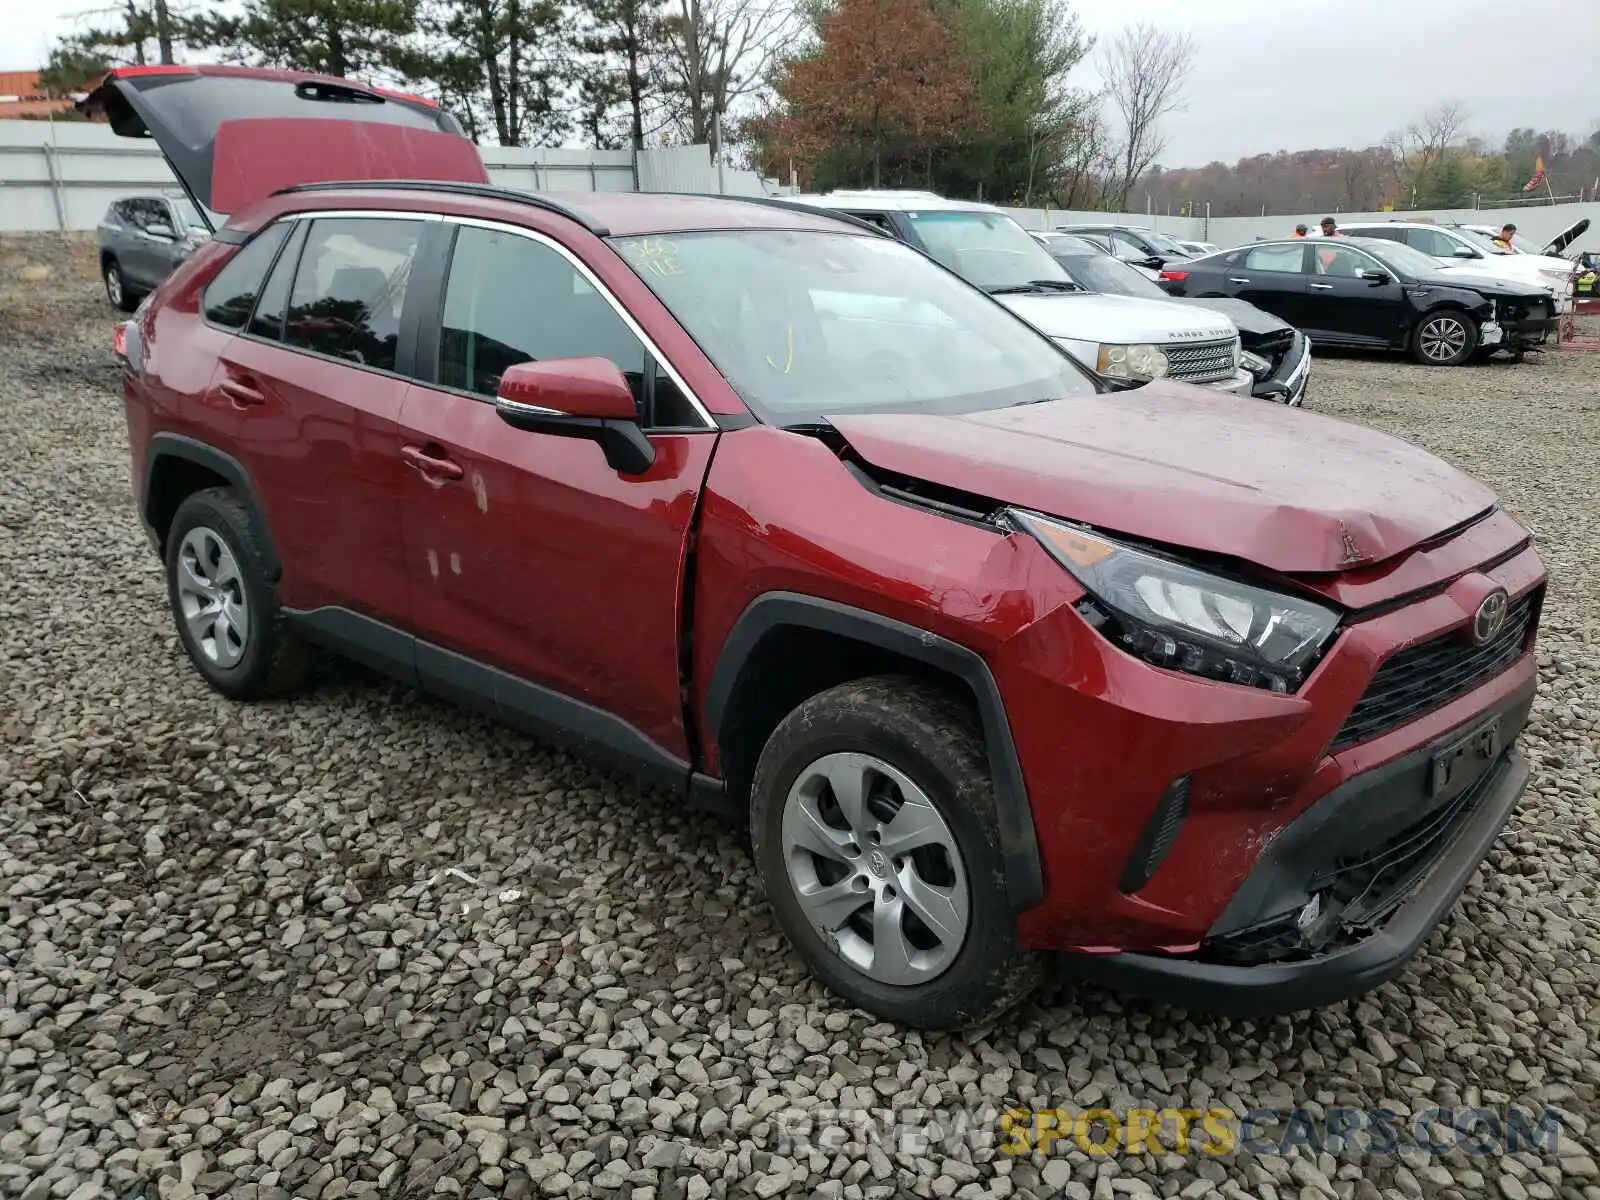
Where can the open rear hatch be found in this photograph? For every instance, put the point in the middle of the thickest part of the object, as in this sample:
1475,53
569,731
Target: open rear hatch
234,135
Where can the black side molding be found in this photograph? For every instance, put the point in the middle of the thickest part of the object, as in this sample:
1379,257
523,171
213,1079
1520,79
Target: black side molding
1018,841
545,714
164,447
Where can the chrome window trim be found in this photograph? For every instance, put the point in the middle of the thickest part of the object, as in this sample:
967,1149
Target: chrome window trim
594,281
382,214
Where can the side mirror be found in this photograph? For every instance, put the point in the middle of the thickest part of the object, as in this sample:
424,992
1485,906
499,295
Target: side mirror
162,233
1373,275
1466,252
578,397
1153,262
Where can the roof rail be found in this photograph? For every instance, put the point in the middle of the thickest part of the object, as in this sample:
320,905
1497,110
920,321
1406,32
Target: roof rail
791,205
487,191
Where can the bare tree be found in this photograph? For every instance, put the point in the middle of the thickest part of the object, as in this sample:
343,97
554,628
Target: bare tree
1145,69
721,51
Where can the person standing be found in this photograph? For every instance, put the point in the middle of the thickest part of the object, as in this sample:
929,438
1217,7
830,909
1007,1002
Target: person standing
1301,230
1330,228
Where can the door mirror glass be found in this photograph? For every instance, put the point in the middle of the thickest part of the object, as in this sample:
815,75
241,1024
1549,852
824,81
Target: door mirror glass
1153,262
577,397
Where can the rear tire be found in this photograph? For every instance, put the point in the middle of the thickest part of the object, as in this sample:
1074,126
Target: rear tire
224,603
1444,338
117,290
911,830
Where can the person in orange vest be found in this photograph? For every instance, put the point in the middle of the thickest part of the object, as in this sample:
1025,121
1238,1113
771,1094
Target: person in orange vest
1507,239
1300,231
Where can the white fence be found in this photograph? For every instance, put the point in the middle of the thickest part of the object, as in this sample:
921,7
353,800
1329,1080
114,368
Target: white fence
1539,223
62,176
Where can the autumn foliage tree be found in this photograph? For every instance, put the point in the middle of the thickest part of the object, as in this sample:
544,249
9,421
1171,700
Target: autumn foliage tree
881,90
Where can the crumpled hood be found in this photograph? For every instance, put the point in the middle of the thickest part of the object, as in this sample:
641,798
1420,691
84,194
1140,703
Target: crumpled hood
1289,490
1251,321
1092,317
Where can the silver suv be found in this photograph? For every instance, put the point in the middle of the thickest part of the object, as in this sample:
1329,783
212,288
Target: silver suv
142,239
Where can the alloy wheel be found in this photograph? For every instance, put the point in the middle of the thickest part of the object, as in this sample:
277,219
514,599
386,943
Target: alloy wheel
1443,339
875,868
211,597
114,286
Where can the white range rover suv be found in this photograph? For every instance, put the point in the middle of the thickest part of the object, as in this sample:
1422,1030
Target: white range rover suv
1464,247
1123,339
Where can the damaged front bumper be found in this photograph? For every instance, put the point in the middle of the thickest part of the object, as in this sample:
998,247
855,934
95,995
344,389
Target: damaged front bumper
1344,896
1287,381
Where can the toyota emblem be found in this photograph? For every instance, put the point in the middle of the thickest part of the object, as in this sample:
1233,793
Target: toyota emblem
1490,618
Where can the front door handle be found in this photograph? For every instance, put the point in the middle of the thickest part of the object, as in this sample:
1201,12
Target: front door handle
241,393
1233,279
1322,287
430,460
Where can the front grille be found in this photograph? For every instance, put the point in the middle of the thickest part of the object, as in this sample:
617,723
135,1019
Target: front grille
1358,892
1429,676
1199,362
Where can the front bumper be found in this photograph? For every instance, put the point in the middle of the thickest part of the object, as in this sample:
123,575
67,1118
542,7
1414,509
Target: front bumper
1430,853
1240,385
1288,381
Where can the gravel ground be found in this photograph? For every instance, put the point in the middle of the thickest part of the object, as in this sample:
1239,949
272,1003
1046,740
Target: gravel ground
363,944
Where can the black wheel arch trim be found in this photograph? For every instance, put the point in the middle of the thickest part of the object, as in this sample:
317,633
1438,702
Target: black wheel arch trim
770,611
167,445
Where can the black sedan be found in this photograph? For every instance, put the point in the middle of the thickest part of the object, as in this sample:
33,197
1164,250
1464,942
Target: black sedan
1275,352
1367,293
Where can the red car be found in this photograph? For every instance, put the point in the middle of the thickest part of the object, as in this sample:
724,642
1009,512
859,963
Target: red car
772,509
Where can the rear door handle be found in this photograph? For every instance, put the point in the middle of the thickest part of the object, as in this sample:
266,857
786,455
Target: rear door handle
1323,287
1232,279
430,460
241,393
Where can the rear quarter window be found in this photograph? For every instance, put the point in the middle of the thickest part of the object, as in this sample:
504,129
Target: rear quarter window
229,298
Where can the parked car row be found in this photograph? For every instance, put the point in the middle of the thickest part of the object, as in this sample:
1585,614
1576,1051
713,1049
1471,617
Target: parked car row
1376,294
995,653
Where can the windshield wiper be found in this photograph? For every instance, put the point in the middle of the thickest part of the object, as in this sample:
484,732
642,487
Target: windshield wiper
1035,285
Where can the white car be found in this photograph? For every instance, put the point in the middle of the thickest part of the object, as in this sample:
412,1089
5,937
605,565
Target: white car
1470,250
1200,249
1122,339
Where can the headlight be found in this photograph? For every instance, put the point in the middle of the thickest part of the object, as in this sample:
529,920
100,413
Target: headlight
1188,620
1138,361
1554,275
1254,363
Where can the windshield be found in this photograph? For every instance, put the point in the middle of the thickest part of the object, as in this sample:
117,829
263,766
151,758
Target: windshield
1162,242
987,249
1104,274
805,325
1485,241
1403,258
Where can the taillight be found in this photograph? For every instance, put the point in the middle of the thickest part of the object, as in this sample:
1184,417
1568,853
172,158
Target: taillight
119,340
1174,276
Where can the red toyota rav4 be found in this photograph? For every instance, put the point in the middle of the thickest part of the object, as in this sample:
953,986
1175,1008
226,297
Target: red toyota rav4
781,514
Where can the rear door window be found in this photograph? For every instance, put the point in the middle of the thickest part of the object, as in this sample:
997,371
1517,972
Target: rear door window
350,287
232,294
1288,260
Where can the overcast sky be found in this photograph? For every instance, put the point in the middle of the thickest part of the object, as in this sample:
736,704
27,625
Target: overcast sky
1276,74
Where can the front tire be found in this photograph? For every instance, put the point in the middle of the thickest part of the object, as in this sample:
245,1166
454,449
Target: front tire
225,605
117,290
1444,339
874,829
